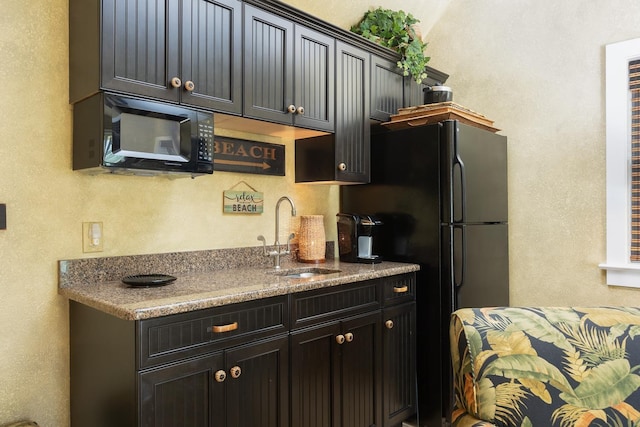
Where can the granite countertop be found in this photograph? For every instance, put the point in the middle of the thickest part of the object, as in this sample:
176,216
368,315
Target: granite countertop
224,279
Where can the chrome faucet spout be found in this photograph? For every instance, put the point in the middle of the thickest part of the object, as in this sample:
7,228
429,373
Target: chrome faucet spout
293,213
278,250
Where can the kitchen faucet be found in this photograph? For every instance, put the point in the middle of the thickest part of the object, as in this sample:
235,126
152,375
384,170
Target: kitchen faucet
279,251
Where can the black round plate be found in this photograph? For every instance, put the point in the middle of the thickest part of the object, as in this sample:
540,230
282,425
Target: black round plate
148,280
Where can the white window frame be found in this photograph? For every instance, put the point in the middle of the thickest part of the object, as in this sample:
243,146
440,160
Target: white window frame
620,270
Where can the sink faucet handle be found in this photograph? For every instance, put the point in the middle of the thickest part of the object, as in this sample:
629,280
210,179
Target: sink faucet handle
291,236
264,244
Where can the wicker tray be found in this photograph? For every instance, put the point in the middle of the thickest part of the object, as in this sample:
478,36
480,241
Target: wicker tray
433,113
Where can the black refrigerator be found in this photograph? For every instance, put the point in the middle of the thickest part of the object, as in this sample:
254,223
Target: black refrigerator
441,192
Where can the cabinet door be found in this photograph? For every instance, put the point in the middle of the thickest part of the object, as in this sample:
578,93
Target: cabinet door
268,66
334,369
413,92
399,364
352,136
140,47
387,88
211,58
314,373
314,90
358,399
182,394
257,384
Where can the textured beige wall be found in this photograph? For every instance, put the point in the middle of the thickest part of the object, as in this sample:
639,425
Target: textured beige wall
344,14
534,67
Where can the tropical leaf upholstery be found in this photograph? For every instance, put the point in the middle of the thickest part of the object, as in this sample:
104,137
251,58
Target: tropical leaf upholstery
547,366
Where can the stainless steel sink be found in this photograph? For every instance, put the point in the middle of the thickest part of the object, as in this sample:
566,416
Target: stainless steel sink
304,273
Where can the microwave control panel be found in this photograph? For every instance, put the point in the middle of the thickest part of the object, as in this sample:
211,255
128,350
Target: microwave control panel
205,142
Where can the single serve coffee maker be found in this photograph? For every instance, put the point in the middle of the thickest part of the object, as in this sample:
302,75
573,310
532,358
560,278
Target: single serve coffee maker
356,235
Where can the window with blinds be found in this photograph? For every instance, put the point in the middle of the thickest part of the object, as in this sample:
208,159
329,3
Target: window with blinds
634,87
622,84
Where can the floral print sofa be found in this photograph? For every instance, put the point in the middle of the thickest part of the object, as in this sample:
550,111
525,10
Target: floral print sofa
544,367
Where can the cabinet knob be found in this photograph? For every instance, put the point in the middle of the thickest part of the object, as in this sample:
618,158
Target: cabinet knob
291,108
342,167
176,82
389,324
220,376
348,337
300,111
235,371
340,339
189,86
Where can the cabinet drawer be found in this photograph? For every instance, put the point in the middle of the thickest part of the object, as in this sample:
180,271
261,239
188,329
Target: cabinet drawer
178,336
399,289
309,308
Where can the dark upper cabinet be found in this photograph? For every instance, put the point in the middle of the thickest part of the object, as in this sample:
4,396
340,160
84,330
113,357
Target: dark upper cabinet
288,72
352,114
342,157
314,78
387,88
390,90
181,51
211,59
414,92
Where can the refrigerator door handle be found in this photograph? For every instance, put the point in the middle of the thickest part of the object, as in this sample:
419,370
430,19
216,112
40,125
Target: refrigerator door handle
458,282
463,189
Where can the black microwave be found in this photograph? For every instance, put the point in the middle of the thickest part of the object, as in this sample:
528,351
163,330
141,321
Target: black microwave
119,134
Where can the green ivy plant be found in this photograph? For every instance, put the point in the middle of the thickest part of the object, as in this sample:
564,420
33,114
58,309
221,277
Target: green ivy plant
395,30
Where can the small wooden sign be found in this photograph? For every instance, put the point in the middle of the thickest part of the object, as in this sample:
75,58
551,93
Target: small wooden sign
243,202
239,155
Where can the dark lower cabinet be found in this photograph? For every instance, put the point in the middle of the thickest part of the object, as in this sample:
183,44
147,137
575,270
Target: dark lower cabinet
243,386
334,373
257,388
399,363
182,394
340,356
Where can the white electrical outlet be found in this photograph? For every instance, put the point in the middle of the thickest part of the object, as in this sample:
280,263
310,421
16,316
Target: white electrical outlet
92,239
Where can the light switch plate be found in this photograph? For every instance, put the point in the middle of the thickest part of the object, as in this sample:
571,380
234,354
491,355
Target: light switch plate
92,237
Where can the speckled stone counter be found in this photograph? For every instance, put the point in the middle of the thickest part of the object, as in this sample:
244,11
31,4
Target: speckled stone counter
204,279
